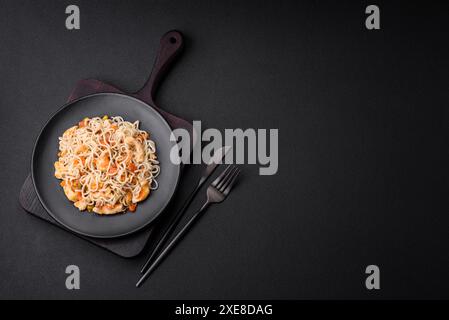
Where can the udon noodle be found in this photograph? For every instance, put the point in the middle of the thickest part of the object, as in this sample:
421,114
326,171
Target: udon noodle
107,165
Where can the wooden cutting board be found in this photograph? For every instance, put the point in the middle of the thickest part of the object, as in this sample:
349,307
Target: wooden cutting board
171,45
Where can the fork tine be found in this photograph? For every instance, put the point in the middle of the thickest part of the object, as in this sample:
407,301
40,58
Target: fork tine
225,178
222,185
221,176
231,183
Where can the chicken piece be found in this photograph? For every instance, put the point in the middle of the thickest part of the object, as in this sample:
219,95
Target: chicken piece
102,194
103,162
70,194
81,149
108,209
59,168
81,205
137,147
128,198
143,194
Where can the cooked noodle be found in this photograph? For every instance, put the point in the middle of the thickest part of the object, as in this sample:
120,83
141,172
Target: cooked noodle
107,165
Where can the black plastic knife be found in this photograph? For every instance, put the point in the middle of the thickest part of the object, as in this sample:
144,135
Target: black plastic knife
210,168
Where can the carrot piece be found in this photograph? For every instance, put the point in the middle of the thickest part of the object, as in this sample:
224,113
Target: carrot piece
83,123
132,207
131,167
113,169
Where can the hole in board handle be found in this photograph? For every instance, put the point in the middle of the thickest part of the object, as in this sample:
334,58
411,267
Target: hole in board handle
173,40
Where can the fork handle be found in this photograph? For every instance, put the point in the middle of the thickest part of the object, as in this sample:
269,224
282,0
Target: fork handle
173,243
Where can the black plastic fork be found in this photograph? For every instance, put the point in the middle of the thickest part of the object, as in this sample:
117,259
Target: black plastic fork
216,193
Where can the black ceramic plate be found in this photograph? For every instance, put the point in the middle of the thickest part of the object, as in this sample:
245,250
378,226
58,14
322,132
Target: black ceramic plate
51,194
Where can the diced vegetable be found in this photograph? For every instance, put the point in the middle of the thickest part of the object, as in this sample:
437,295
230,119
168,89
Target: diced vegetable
131,167
132,207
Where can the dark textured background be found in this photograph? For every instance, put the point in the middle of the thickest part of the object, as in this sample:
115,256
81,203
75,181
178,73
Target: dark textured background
363,144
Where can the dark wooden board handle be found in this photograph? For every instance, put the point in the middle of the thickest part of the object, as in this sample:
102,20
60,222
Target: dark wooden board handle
171,45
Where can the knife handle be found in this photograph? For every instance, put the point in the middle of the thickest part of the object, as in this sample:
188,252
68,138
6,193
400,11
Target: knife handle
171,227
173,243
